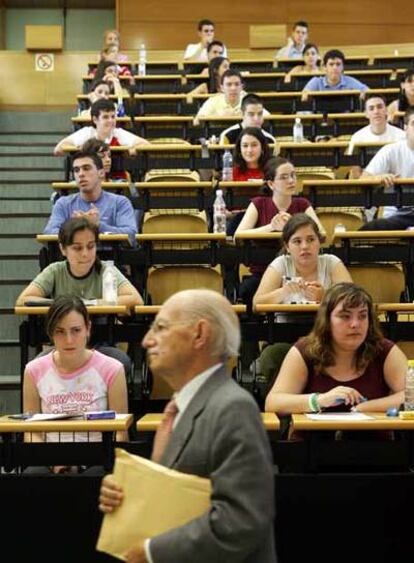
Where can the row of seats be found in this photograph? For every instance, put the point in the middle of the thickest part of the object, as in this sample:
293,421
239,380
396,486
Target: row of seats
265,81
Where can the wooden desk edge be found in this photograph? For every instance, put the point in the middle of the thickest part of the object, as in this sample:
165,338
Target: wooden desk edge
150,422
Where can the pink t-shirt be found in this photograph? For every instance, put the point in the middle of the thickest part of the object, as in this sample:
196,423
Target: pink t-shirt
86,389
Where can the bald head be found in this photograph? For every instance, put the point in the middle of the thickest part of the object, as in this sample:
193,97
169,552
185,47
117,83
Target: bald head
197,304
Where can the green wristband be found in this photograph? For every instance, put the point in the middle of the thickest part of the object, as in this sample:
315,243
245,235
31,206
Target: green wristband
314,403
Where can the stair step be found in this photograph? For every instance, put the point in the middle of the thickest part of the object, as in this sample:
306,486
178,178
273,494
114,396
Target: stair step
46,175
18,269
22,226
24,207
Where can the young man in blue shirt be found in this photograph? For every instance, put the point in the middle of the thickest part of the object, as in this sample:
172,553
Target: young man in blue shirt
334,79
112,213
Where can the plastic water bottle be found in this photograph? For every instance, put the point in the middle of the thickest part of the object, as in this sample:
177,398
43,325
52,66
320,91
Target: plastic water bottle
298,131
219,213
340,228
142,60
227,171
120,108
409,387
109,284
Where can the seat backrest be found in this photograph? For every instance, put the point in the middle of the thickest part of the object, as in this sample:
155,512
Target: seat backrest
164,281
172,175
352,220
312,173
175,221
384,282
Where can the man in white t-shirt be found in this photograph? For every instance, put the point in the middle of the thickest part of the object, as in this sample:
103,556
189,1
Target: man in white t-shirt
197,52
296,42
103,116
378,130
392,161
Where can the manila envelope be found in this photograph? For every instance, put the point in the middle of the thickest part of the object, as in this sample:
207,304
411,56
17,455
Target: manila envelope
156,499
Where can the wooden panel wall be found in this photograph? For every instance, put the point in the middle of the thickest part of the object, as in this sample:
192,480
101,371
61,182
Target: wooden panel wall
171,24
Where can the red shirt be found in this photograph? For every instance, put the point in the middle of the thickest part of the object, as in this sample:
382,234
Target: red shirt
267,209
249,174
371,384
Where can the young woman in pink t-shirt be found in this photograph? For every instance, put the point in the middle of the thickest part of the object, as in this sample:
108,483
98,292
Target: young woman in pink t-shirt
72,377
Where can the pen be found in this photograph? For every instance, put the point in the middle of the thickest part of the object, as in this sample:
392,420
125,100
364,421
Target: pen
21,416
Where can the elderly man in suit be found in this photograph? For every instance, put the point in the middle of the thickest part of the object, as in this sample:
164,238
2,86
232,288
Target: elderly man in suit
211,428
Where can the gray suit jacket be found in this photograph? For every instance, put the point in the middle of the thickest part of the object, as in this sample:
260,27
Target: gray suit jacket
221,436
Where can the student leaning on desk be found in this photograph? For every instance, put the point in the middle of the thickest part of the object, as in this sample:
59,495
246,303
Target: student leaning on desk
81,273
343,364
72,377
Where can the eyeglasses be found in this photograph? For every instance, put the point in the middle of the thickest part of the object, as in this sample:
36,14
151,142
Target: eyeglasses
160,326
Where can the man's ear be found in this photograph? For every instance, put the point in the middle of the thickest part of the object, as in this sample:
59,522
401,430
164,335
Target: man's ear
101,173
202,333
62,250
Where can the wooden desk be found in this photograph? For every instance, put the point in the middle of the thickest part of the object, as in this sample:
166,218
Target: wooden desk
379,421
154,126
109,248
151,421
158,83
80,121
173,195
370,450
157,104
330,154
66,187
17,453
364,192
393,61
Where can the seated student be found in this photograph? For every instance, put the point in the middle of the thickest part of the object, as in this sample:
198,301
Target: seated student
216,68
103,150
111,213
198,51
311,62
344,363
112,54
81,273
392,161
301,270
378,129
72,377
228,102
100,90
334,79
266,214
110,72
251,153
296,42
214,49
250,156
112,37
405,100
253,114
104,128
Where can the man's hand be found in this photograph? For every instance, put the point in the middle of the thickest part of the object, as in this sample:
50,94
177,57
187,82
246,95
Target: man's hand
388,179
111,495
93,215
136,554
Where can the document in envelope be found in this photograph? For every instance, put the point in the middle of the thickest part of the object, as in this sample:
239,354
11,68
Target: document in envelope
156,499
